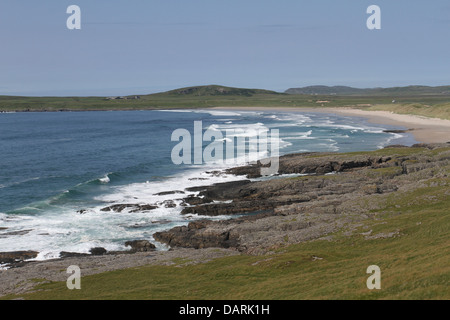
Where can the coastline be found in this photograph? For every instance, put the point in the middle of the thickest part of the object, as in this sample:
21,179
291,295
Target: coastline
37,253
309,209
425,130
118,261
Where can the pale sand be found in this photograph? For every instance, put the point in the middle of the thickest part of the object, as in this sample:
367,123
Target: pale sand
426,130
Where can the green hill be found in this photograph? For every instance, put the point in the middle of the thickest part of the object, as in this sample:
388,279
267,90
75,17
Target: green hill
216,90
189,97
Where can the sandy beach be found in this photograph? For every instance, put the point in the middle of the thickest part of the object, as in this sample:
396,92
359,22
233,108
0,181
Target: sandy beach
426,130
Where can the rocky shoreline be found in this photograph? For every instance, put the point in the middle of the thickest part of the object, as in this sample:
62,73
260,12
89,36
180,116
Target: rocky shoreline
314,195
16,259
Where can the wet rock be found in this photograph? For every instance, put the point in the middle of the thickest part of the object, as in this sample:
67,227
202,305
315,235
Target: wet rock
169,192
162,221
16,256
215,173
98,251
169,204
146,207
140,245
15,233
117,207
145,225
134,207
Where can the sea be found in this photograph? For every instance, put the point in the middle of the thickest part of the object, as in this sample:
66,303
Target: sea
59,169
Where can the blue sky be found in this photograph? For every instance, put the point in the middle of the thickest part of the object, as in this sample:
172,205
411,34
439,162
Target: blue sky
146,46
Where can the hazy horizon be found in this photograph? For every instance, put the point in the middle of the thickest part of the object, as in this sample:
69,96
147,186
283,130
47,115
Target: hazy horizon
202,85
142,47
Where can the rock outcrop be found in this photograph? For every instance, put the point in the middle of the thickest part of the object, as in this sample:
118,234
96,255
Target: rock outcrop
131,207
16,256
140,245
330,191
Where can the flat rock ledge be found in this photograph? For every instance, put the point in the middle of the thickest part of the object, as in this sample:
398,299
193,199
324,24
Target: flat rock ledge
332,191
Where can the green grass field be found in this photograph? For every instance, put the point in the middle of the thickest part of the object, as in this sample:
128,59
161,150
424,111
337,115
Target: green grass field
414,263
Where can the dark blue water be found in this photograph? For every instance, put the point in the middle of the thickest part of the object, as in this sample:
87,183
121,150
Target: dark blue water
53,164
45,154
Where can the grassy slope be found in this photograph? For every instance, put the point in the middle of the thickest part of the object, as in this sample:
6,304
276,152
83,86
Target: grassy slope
415,264
219,96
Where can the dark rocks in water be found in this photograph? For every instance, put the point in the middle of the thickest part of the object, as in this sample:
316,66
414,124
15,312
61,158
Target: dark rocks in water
15,233
169,204
163,221
117,207
98,251
145,225
145,207
140,245
168,192
16,256
82,211
215,173
135,207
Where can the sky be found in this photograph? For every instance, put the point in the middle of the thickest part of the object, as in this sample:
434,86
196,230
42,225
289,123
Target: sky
147,46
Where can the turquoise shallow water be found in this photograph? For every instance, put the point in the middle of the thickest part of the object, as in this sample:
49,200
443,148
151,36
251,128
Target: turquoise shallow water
55,164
